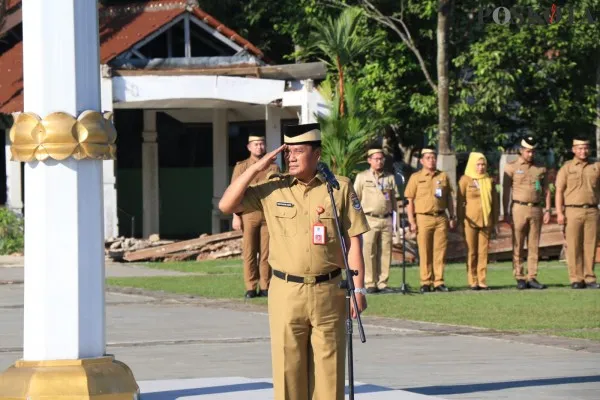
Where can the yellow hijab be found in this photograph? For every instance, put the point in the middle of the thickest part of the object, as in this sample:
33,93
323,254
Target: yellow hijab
484,182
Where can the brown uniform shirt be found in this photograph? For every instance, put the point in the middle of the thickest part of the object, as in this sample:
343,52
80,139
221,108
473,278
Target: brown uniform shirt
432,192
468,203
580,182
529,182
242,166
376,192
290,208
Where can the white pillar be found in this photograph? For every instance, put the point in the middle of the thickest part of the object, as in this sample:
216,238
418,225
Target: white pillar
111,219
64,251
14,181
150,191
220,138
505,158
307,109
273,129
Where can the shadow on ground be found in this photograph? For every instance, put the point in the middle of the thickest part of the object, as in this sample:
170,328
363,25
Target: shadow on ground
493,386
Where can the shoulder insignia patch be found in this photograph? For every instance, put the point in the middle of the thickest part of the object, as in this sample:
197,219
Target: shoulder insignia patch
355,202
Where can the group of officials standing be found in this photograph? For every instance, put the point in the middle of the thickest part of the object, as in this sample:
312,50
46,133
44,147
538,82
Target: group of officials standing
306,303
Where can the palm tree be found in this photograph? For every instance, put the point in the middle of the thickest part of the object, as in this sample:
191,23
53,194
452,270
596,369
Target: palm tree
345,138
339,40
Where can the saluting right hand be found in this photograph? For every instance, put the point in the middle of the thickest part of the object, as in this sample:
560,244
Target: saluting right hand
268,159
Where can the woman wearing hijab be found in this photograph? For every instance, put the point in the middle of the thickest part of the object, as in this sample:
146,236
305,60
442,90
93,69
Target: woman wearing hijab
477,203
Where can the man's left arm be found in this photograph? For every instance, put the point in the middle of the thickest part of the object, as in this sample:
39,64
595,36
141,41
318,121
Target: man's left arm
450,206
356,262
547,199
355,224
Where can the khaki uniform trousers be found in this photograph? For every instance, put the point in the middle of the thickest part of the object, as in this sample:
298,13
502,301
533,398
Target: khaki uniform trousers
432,239
308,341
477,239
527,224
582,237
255,241
377,252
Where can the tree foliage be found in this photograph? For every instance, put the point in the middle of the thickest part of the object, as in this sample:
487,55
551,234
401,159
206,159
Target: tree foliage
345,137
504,80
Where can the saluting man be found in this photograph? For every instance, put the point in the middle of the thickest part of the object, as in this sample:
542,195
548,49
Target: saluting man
377,190
527,182
578,190
255,239
429,195
306,305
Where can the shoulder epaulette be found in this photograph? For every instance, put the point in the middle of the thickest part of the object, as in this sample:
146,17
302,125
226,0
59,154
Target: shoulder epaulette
276,175
343,179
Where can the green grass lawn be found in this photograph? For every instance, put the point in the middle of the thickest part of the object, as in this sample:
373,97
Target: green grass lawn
557,310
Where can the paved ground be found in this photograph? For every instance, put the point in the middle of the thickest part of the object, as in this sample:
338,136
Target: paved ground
174,344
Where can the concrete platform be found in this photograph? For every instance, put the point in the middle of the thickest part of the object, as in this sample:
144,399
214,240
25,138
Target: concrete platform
237,388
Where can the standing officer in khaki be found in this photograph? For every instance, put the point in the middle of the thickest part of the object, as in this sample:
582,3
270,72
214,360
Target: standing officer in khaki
255,233
578,190
528,183
429,194
477,211
306,306
377,192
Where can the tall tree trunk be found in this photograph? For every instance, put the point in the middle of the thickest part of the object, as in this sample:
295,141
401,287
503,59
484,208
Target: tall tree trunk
341,73
443,22
598,110
2,14
297,50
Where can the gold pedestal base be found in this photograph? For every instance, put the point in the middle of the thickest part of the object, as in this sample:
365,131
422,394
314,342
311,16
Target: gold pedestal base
101,378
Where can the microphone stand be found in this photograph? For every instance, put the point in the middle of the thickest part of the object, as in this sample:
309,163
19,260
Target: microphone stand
347,284
404,289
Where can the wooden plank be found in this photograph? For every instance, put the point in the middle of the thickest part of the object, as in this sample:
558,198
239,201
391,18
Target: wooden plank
185,245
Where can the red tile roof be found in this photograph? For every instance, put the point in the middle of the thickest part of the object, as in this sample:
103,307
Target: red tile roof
121,27
12,3
11,80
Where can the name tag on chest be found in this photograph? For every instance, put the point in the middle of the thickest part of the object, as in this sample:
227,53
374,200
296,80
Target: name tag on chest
284,204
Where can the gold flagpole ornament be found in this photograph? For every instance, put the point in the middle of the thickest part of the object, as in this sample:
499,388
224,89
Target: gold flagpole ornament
60,136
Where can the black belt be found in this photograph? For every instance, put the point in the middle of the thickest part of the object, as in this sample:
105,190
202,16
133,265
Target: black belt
378,215
582,205
434,214
524,203
307,279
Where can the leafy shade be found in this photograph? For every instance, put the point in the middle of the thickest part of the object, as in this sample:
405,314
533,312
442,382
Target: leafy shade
345,138
341,42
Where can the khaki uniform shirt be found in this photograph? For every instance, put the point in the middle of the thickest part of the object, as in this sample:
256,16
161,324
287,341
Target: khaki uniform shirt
431,192
376,192
468,203
529,182
580,182
242,166
290,208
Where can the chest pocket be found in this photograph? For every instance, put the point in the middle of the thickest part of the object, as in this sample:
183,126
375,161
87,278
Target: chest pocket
473,191
423,189
328,220
521,178
592,175
286,221
370,187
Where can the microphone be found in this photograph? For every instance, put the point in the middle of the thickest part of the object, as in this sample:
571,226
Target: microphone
328,175
398,171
